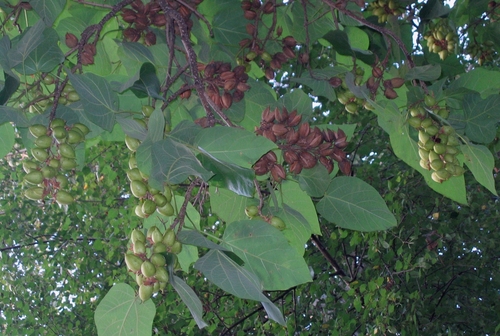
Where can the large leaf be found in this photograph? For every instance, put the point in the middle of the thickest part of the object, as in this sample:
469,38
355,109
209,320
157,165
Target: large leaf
297,231
8,113
319,85
156,127
233,145
314,181
297,199
28,42
7,139
190,299
232,278
481,116
229,206
193,237
267,254
256,100
99,102
425,73
121,312
145,83
228,28
10,87
48,10
481,80
481,163
353,204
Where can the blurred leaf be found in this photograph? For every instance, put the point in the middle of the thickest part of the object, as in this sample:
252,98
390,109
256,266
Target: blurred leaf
192,237
481,163
10,114
190,299
10,87
229,206
481,116
7,139
313,181
297,199
424,73
48,10
30,39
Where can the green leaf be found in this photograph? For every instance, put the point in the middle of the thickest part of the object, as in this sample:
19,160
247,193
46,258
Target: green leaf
481,163
298,100
48,10
10,87
425,73
229,206
298,230
190,299
433,9
233,145
121,312
10,114
353,204
297,199
173,162
7,139
229,176
313,181
192,237
481,80
145,83
267,254
339,41
132,128
134,55
99,102
256,100
320,86
185,132
31,39
481,116
232,278
228,28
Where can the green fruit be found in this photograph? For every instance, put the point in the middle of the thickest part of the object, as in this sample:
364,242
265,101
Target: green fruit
145,292
161,274
68,88
34,177
134,175
448,158
74,137
84,129
156,287
43,141
148,269
62,101
73,96
166,210
38,130
424,155
443,113
139,279
139,247
432,130
67,151
156,235
437,164
352,108
62,180
343,98
29,166
451,150
436,178
167,193
418,112
176,248
63,197
415,122
147,110
158,260
133,262
424,164
443,174
60,133
132,162
48,172
448,130
423,137
443,138
452,141
39,154
251,55
152,230
137,235
54,163
427,122
266,56
168,237
67,164
159,248
138,211
163,285
459,170
132,143
278,223
34,193
57,122
138,188
159,200
48,79
429,100
251,211
439,148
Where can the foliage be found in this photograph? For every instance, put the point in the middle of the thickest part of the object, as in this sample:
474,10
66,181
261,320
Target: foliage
254,167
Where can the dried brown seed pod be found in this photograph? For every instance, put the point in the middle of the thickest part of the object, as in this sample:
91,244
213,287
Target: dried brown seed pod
292,137
280,116
267,115
268,8
307,159
239,71
390,93
71,40
315,141
209,70
250,29
270,156
326,151
345,167
397,82
227,100
304,130
281,57
296,167
227,75
224,67
129,15
269,134
304,58
237,96
131,34
250,15
159,20
185,12
87,58
275,64
290,41
260,167
288,52
335,82
203,122
377,72
338,155
242,87
138,6
229,84
90,48
294,119
327,163
141,22
154,8
279,31
328,135
278,172
269,73
150,38
290,156
279,130
372,84
245,42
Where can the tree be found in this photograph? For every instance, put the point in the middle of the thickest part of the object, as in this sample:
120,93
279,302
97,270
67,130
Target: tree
254,167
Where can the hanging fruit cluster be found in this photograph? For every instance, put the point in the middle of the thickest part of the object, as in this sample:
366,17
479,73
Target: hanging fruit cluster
352,104
146,259
223,85
377,78
384,9
301,145
150,199
42,101
483,52
252,212
441,38
438,145
141,16
54,155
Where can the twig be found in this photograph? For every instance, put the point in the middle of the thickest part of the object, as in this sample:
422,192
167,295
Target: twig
328,256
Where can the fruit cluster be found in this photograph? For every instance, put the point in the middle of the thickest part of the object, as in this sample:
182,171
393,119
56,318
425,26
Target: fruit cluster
218,77
252,212
441,38
54,151
68,95
352,104
145,258
438,145
141,16
302,146
373,83
483,52
384,9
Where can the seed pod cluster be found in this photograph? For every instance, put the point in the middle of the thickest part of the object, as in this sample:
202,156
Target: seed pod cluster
54,155
441,38
68,95
141,16
302,146
374,81
145,258
223,85
438,145
482,52
383,9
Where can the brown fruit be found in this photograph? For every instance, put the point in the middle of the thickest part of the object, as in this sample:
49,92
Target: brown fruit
397,82
71,40
226,100
250,15
307,159
289,41
296,167
278,172
389,93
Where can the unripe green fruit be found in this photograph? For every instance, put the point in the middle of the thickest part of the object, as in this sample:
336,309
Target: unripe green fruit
132,143
160,200
251,55
352,108
139,279
57,122
448,130
67,164
152,190
423,154
38,130
138,188
48,172
156,287
63,197
167,193
432,130
148,269
156,235
48,79
147,110
443,174
62,180
60,133
423,137
132,162
68,88
43,141
251,211
145,292
139,213
73,96
139,248
39,154
159,248
54,163
74,137
34,177
452,150
415,122
459,170
166,210
440,148
452,141
62,101
436,178
343,98
278,223
443,113
29,166
430,100
34,193
84,129
163,285
433,156
427,122
133,262
161,274
137,235
134,175
443,138
67,151
266,56
141,123
158,260
176,248
425,164
437,165
152,230
418,112
449,158
168,237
